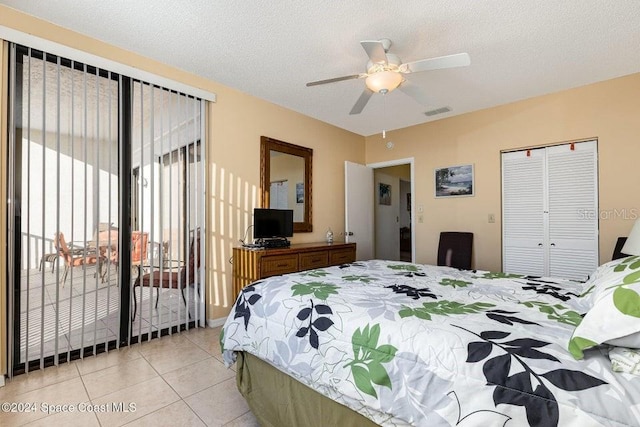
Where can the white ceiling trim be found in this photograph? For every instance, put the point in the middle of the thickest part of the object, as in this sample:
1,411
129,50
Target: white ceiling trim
29,40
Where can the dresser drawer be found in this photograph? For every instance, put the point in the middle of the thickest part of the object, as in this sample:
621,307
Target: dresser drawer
311,260
342,256
278,264
250,264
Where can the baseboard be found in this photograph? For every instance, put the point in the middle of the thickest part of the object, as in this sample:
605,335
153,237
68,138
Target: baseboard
214,323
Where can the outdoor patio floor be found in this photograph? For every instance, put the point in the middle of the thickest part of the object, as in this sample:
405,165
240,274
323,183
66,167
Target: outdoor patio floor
85,311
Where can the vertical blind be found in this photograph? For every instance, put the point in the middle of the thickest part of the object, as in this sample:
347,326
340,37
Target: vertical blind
169,177
68,123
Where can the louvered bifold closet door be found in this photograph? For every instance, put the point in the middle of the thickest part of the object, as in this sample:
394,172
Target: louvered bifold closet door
523,206
573,217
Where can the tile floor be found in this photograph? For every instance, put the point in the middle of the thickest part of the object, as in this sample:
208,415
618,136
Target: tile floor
176,380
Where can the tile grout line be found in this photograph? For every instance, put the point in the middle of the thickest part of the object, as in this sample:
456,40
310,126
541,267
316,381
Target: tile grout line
194,412
91,400
174,390
159,375
210,356
133,385
84,385
240,416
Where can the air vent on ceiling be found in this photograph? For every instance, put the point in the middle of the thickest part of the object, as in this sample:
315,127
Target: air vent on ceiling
437,111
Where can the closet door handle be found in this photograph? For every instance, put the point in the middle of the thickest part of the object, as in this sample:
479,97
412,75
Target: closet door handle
539,244
553,244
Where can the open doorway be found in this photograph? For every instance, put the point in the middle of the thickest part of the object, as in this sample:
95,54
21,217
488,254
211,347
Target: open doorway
363,196
392,212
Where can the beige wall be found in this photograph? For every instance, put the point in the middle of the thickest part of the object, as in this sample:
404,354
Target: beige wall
609,111
237,122
401,171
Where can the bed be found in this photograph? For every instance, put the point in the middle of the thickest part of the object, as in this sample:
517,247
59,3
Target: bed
395,343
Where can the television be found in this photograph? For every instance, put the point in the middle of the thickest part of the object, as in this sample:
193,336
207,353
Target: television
272,223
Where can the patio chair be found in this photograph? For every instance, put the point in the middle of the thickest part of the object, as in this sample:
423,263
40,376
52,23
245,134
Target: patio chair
108,244
52,258
76,258
171,278
139,247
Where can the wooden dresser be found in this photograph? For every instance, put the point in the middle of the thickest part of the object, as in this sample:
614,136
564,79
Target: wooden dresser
250,264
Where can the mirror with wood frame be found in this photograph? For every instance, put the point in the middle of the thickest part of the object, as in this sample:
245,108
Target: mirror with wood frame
285,180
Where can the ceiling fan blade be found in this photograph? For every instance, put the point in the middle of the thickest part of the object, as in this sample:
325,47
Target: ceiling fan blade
449,61
336,79
375,51
415,92
362,101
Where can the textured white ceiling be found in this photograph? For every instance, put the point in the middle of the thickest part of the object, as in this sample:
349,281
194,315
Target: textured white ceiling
518,48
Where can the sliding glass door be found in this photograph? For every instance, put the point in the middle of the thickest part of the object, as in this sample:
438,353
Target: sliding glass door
65,187
106,212
167,209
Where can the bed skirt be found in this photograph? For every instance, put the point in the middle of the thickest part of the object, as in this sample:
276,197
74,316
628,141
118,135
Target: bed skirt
278,400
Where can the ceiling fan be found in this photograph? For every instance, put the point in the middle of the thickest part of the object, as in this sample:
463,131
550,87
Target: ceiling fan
385,72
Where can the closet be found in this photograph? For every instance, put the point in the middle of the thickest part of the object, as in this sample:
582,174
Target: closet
550,210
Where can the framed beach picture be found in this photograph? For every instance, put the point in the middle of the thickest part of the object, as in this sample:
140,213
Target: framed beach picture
454,181
384,194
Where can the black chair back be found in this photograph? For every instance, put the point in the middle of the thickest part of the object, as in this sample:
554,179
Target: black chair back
617,252
194,258
455,249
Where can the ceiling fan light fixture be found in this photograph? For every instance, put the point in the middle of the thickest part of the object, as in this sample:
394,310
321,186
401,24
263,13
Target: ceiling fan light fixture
383,80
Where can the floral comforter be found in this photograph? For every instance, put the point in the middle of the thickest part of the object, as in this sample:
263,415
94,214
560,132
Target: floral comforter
410,344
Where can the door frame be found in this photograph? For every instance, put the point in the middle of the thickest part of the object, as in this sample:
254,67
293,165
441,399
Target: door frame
398,162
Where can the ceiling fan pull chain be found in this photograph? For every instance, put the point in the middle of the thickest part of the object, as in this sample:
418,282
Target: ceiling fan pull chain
384,111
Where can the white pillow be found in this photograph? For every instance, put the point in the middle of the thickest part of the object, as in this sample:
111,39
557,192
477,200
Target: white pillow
611,272
614,317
